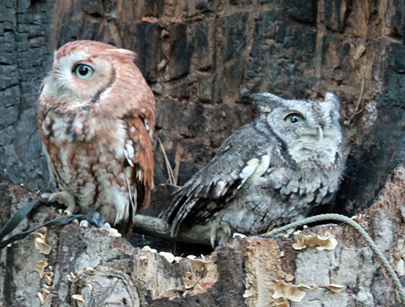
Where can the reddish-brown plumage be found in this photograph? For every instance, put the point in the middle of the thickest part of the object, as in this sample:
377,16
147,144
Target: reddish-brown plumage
97,131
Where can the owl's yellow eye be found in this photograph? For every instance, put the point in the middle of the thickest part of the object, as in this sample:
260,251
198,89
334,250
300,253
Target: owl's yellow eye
83,71
293,118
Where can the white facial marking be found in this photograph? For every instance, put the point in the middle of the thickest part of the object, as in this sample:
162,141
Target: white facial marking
320,134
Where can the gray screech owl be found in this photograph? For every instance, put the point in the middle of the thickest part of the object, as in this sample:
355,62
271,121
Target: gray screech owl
268,173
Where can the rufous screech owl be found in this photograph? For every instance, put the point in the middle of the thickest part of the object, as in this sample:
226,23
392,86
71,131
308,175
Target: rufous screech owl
268,173
96,119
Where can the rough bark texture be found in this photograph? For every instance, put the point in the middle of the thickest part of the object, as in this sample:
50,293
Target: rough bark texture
109,271
201,58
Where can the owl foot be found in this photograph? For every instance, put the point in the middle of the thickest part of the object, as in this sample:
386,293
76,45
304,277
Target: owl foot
106,227
95,218
214,234
67,200
271,227
92,218
84,224
63,198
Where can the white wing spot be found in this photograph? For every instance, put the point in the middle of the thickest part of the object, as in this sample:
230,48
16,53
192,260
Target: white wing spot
255,169
263,166
146,124
128,159
254,161
248,170
130,150
219,187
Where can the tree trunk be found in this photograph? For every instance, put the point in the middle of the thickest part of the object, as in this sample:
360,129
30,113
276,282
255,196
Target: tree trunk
253,271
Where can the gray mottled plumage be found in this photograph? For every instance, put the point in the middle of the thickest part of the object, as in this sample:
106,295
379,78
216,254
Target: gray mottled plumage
270,172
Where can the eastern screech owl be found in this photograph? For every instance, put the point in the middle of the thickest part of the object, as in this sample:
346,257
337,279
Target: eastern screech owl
268,173
96,119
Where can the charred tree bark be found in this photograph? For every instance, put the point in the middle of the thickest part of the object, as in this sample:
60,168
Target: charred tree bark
202,58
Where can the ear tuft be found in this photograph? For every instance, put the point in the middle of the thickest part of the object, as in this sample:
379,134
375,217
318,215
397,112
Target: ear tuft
266,102
126,52
332,98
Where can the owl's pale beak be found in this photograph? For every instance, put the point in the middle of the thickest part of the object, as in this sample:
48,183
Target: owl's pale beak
320,134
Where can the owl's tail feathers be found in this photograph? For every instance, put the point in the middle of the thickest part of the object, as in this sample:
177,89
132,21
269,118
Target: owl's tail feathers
125,227
178,213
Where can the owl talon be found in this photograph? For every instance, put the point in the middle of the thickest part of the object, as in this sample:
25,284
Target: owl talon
84,224
106,227
67,212
46,195
213,238
95,218
63,198
214,234
228,235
